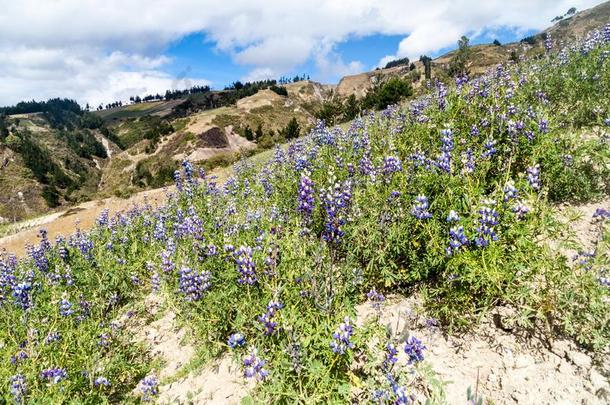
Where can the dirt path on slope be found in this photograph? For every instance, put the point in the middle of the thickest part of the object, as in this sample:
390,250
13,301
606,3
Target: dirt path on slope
220,381
66,222
84,215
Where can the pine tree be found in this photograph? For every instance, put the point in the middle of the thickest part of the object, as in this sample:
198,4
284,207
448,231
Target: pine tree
258,134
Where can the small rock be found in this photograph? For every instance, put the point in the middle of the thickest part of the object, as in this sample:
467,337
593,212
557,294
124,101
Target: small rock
598,381
520,397
523,361
566,368
579,359
562,348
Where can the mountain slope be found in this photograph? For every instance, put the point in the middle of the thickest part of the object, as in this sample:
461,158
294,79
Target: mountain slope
47,163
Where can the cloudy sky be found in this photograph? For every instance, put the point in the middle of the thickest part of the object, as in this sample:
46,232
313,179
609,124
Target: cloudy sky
101,51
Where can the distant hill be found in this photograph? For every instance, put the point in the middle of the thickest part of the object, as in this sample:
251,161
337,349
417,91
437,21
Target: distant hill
49,158
54,154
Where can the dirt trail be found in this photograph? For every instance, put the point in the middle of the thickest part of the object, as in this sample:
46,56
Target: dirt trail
219,382
84,215
65,222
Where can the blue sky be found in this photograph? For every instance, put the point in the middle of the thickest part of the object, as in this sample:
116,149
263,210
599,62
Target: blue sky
196,56
99,52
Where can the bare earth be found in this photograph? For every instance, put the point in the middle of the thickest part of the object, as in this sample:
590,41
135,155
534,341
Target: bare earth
510,370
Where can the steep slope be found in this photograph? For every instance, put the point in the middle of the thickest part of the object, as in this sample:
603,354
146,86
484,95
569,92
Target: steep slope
156,143
48,163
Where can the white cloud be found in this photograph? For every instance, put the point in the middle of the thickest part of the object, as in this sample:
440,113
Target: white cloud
74,47
86,75
260,74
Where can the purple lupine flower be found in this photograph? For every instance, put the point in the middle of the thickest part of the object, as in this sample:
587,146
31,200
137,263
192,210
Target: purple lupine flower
391,165
155,282
543,126
601,213
159,231
420,208
187,167
341,338
584,259
419,160
236,340
447,140
54,375
548,43
38,255
167,264
391,356
306,196
510,191
443,162
65,307
441,95
19,357
21,295
402,398
102,220
458,239
380,396
178,180
104,339
18,388
365,166
452,217
336,201
267,318
245,265
375,298
101,382
487,221
135,280
414,350
468,161
489,148
53,336
254,367
520,210
474,130
193,285
533,176
149,388
212,250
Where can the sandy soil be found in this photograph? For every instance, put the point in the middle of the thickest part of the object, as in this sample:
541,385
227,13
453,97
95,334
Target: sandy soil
507,369
260,99
220,382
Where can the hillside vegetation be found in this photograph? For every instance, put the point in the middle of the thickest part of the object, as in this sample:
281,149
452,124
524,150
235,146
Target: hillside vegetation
451,199
51,154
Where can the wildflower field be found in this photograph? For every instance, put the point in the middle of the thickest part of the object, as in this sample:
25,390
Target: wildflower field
451,197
